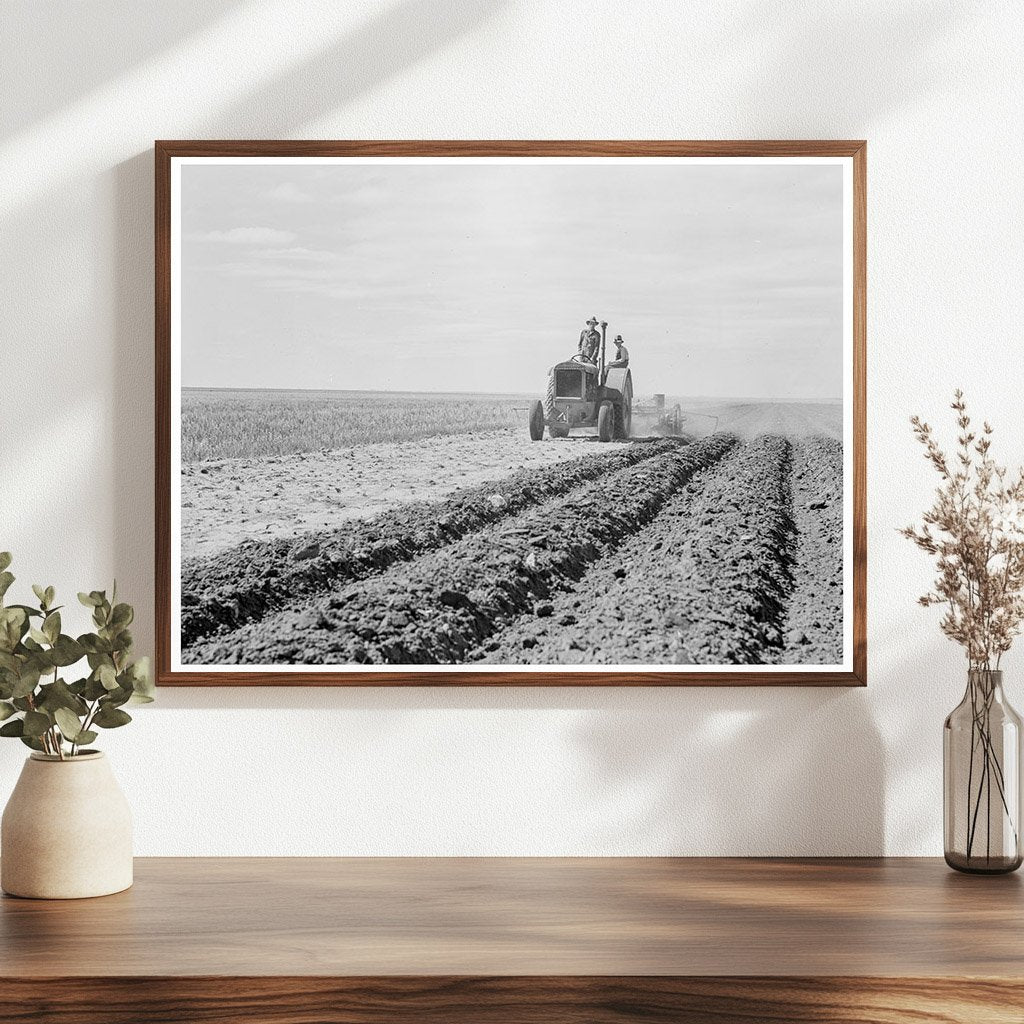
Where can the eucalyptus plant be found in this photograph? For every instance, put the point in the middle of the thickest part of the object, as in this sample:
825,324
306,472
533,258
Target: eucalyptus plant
37,704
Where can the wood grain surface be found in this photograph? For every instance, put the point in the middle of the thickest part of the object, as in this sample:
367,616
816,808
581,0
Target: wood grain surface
530,916
504,940
166,150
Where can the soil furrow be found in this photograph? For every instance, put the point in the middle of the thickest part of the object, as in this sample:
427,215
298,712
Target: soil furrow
814,628
223,592
438,607
705,583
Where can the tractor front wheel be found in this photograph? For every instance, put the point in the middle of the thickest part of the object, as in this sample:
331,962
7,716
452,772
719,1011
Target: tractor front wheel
536,421
606,421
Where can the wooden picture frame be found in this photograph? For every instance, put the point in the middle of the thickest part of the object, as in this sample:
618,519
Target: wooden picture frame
172,671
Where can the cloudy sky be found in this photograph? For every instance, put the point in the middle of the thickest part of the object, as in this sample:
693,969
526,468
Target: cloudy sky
724,280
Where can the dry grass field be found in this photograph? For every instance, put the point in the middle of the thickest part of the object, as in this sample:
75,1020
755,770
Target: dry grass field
228,424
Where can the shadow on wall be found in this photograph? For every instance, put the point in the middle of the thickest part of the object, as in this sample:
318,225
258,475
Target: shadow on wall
686,772
48,63
745,771
394,39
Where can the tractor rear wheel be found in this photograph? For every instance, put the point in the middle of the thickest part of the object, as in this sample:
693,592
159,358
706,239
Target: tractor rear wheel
536,421
606,421
623,421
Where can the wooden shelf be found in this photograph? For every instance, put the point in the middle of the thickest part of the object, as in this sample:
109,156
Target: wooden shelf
506,940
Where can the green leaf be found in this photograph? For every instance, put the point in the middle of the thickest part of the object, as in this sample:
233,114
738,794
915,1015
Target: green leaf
15,615
95,660
36,723
122,616
142,682
50,595
86,736
108,718
13,728
89,600
59,695
6,579
107,676
27,681
38,635
5,560
94,689
94,644
31,741
28,610
115,698
69,723
51,626
13,625
6,710
67,651
40,593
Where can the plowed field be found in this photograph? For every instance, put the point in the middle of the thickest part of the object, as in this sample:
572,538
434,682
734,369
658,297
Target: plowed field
656,552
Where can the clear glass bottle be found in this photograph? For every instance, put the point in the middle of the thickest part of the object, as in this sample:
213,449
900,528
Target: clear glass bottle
981,765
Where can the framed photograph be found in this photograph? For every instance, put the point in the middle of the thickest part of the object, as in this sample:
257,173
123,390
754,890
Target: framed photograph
492,413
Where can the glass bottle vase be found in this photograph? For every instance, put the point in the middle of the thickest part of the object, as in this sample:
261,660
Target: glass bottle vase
981,770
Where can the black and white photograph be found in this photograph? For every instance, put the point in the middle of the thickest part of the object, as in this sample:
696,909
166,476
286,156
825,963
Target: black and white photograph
482,413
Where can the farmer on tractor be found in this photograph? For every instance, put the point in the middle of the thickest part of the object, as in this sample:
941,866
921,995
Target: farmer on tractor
590,341
621,353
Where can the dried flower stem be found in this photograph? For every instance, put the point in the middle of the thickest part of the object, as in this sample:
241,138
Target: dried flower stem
975,531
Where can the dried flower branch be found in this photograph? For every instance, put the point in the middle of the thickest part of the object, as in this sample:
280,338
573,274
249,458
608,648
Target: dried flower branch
975,530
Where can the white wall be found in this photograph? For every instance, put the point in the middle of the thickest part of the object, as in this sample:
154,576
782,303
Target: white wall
936,88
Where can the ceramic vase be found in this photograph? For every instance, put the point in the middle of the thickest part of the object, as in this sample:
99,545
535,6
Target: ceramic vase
66,831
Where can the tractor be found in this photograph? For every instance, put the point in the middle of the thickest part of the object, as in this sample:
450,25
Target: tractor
584,395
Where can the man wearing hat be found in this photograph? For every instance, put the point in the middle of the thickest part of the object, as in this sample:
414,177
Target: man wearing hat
621,353
590,341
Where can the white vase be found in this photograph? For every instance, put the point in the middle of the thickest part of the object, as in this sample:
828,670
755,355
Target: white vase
66,831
